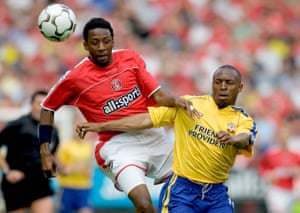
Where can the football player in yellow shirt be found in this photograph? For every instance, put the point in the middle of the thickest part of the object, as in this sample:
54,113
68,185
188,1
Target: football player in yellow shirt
204,149
75,164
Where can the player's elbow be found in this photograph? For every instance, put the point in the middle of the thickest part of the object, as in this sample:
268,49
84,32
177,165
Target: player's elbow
162,98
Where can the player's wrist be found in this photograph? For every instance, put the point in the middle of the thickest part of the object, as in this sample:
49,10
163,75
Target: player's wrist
6,171
45,148
45,133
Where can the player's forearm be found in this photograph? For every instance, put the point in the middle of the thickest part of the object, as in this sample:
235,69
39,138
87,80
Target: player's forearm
163,98
240,140
130,123
47,117
45,126
45,149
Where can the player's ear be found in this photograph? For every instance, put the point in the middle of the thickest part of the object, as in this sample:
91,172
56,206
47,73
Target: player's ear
85,45
241,87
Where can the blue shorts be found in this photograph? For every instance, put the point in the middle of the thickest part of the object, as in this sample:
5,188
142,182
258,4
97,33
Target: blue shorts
182,195
74,200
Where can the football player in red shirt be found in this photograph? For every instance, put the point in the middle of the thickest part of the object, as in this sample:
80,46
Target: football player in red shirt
107,85
279,167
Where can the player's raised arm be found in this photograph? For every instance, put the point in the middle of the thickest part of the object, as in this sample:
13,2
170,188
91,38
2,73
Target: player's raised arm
45,132
163,98
130,123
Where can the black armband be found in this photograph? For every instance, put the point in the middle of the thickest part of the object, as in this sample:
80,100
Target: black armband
45,133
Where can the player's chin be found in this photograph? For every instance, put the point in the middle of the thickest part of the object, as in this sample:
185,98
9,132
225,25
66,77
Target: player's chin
222,103
102,61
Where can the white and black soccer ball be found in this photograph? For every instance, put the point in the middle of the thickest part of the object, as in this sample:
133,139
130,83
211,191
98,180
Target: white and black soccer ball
57,22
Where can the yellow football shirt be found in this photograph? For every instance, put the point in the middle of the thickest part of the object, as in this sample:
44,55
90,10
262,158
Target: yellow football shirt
198,155
76,154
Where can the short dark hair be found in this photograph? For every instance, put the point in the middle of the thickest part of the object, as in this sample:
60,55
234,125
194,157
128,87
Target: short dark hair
230,67
37,93
94,23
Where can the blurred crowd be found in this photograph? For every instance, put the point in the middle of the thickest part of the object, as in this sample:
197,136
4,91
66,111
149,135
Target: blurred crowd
182,41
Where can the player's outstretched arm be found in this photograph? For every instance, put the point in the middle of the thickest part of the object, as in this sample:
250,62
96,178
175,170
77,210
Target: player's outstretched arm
45,133
162,98
130,123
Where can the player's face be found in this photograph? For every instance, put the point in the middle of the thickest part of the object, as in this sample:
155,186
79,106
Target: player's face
99,45
226,87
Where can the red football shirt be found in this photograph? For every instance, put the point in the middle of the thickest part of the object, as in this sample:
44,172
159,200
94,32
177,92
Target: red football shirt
103,94
275,159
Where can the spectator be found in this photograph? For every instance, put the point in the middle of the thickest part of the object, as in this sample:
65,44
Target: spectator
279,167
23,184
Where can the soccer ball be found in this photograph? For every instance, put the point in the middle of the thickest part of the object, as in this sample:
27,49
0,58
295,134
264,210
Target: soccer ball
57,22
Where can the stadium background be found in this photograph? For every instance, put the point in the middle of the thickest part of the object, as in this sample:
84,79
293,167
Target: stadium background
182,41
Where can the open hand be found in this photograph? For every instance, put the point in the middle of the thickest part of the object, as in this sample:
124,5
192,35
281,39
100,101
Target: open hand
188,105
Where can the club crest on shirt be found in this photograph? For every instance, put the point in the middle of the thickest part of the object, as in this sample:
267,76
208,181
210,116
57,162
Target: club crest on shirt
230,127
116,84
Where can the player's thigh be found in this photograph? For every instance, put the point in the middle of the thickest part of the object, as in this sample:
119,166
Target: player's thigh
130,178
180,209
83,199
160,159
218,200
44,205
66,200
227,207
181,195
132,181
176,196
140,194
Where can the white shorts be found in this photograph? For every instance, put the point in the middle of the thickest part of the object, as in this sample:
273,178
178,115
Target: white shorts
278,199
147,150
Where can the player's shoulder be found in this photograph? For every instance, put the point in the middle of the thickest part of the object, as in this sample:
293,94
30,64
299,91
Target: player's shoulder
125,53
82,64
22,119
78,70
241,110
18,122
195,97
